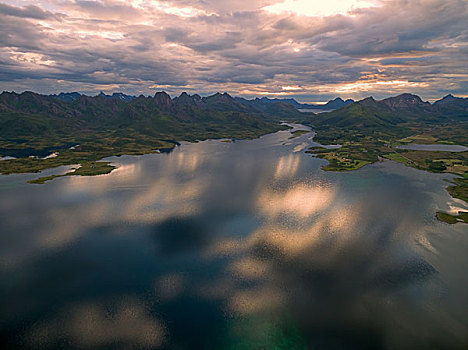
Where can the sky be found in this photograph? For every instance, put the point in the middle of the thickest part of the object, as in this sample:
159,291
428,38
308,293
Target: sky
306,49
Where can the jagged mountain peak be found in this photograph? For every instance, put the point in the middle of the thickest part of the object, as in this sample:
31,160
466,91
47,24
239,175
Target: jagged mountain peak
337,103
338,99
367,100
219,95
162,99
405,101
186,99
450,99
68,96
161,93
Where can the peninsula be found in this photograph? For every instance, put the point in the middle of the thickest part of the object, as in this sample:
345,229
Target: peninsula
371,130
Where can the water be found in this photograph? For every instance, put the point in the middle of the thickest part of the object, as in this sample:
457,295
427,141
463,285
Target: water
435,148
315,110
243,245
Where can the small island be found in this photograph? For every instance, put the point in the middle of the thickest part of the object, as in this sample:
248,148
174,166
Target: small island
85,169
453,219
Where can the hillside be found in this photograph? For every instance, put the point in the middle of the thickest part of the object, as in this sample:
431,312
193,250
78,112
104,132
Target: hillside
32,124
369,130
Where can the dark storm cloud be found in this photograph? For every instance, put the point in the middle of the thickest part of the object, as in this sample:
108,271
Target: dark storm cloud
18,32
29,11
204,46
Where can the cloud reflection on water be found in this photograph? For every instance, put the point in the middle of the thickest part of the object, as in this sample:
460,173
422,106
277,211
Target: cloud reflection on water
300,200
251,234
287,166
122,324
338,275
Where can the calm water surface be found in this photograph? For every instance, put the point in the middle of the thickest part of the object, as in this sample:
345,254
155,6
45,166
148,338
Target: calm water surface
244,245
435,148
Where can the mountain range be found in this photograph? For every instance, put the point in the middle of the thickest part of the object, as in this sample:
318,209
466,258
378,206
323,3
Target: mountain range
107,125
264,102
72,96
261,104
30,116
404,108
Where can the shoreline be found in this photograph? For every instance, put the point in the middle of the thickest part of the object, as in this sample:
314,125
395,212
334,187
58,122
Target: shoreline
355,155
92,164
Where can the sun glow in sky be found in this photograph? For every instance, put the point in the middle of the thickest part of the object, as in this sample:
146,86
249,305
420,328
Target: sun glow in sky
373,85
186,11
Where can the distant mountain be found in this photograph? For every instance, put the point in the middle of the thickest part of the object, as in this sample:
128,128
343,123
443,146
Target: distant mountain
453,106
221,100
408,103
103,126
117,96
452,100
188,100
107,125
337,103
387,113
283,110
67,96
264,102
186,106
29,114
163,100
73,96
225,102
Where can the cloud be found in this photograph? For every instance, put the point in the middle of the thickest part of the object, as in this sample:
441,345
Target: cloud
29,11
205,46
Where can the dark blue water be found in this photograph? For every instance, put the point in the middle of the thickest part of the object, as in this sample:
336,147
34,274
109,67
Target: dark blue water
244,245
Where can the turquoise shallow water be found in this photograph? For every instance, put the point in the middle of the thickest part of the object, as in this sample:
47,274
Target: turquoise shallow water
244,245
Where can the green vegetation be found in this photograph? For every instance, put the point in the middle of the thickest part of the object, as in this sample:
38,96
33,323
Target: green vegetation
397,157
459,189
419,139
354,155
38,125
97,127
356,151
341,159
371,130
360,149
453,219
85,169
